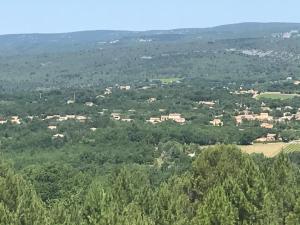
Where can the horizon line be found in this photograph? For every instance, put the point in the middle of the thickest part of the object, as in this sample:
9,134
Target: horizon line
146,30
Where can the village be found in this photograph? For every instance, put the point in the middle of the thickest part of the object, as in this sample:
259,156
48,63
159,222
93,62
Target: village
155,109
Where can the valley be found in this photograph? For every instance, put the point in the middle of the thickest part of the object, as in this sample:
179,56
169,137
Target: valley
106,127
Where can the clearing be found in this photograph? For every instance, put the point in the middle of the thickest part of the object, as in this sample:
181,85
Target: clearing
276,95
269,150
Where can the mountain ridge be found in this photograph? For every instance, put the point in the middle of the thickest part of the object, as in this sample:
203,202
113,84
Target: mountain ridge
287,24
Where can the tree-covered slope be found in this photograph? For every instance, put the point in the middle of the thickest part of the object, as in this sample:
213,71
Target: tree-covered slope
224,186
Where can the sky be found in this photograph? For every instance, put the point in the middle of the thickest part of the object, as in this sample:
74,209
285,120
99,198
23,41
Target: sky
55,16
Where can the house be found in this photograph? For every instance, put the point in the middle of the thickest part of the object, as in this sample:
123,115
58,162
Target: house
248,117
69,117
51,127
62,118
154,120
58,136
81,119
179,120
271,137
261,139
297,82
164,118
176,117
268,138
243,92
52,117
30,117
297,116
207,103
264,117
127,120
287,116
108,91
70,102
15,120
238,119
89,104
116,116
125,88
266,125
217,122
172,116
150,100
2,121
93,129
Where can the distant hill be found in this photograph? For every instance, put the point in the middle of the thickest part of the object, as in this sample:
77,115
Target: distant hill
35,43
237,52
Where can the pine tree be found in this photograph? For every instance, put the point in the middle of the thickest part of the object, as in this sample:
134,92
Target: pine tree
19,202
216,209
294,217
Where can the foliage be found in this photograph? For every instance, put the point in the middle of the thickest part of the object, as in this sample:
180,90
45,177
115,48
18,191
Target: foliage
224,186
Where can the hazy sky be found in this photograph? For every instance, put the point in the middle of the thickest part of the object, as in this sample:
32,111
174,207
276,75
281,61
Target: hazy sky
28,16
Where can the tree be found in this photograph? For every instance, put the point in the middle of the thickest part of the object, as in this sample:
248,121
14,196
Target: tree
216,209
294,216
19,204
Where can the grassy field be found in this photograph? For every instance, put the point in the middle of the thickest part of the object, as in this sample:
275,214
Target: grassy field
293,147
269,150
276,95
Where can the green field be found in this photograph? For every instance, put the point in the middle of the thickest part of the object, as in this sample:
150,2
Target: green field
276,95
169,80
294,147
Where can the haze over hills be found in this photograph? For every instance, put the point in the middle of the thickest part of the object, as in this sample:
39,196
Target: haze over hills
242,30
33,61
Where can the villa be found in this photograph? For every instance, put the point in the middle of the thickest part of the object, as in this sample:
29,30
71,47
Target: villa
52,127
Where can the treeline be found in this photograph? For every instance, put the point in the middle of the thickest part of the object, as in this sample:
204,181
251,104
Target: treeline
223,186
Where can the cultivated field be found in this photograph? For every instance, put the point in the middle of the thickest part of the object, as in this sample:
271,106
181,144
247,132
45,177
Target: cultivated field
276,95
269,150
293,147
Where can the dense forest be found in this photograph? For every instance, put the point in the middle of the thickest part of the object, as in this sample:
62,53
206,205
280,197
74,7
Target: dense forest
125,128
221,186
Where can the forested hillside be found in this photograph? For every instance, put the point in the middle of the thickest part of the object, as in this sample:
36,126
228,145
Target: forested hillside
223,186
243,52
